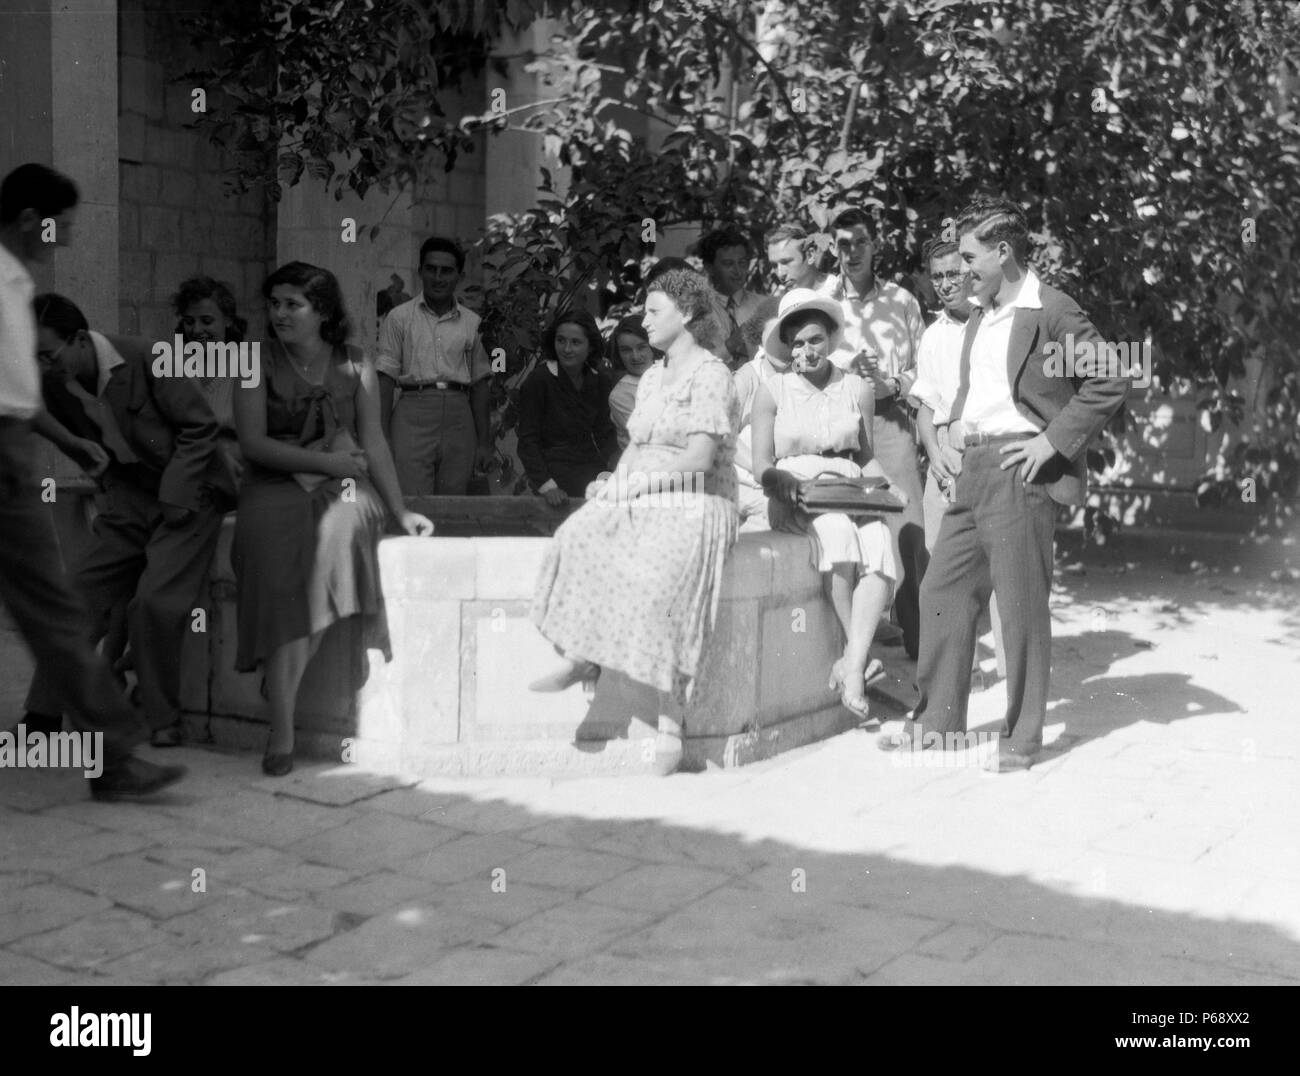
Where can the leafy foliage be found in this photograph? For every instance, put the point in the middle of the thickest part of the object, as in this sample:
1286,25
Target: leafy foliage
1155,145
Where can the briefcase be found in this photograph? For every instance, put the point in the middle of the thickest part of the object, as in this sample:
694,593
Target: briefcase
831,492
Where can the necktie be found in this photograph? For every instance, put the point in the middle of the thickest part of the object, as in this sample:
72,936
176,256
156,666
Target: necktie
98,411
963,387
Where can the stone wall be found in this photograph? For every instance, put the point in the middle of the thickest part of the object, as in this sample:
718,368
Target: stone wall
175,218
455,700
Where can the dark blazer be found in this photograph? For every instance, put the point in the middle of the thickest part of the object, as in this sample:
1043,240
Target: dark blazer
559,424
1070,410
166,421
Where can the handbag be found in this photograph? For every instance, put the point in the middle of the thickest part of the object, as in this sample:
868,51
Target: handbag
832,492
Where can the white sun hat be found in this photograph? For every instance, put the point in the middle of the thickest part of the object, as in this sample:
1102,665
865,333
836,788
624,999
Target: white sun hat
796,302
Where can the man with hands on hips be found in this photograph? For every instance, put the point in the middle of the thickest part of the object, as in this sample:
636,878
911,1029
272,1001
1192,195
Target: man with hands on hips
1022,433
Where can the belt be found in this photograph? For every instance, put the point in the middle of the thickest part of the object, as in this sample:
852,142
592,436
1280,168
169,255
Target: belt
430,386
970,440
839,453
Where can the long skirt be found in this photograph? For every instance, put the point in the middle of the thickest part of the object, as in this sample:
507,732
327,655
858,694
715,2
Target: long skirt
635,586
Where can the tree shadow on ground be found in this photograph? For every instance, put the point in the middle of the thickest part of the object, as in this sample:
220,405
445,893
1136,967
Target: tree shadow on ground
342,877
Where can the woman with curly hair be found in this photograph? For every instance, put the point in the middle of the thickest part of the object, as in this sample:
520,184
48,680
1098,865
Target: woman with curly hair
631,581
319,487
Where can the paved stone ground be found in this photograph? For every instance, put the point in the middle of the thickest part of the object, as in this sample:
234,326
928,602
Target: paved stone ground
1156,843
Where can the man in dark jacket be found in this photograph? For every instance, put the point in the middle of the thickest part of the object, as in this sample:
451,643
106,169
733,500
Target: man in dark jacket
1023,428
157,527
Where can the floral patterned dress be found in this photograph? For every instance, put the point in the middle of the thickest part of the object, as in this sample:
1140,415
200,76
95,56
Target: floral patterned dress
634,586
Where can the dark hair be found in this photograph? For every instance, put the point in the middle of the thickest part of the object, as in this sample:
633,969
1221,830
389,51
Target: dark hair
446,246
664,265
752,331
995,220
936,248
851,218
796,321
584,321
198,288
322,290
719,239
34,186
60,315
782,232
692,294
630,325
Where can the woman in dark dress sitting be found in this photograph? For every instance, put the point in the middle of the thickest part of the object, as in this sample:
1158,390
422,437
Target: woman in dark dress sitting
317,492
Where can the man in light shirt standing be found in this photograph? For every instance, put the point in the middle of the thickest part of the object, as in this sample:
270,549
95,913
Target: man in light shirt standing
882,330
430,349
1024,433
938,375
36,211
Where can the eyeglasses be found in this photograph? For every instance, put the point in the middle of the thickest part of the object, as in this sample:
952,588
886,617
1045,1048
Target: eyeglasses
953,276
47,358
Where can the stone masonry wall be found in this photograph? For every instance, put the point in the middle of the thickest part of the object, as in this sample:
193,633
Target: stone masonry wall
175,218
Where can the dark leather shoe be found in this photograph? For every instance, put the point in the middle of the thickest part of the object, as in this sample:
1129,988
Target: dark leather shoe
133,779
277,765
171,736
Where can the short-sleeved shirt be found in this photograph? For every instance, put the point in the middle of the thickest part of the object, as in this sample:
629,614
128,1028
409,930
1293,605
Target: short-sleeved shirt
417,346
20,378
938,365
888,319
664,420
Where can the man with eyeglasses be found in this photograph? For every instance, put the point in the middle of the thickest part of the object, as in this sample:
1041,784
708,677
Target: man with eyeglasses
882,330
36,212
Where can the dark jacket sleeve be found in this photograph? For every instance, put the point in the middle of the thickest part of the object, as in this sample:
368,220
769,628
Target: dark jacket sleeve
532,416
606,432
194,429
1095,398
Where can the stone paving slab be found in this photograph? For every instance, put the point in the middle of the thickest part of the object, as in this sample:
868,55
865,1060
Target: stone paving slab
1154,842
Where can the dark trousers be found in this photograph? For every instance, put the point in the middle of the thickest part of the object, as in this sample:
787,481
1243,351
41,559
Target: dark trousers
157,572
997,535
51,619
895,449
433,442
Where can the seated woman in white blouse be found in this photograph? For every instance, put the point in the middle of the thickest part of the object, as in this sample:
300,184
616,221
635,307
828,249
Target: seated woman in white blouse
816,418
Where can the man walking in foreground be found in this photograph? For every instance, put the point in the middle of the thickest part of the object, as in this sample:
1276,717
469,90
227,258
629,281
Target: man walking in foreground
36,209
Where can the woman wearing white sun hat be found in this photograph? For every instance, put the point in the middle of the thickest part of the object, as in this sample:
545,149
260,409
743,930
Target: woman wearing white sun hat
812,419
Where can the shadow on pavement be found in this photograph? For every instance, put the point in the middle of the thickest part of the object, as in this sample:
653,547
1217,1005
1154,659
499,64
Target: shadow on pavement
329,877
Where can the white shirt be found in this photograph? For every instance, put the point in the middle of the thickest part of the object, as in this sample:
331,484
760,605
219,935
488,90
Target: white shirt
887,319
107,359
990,407
20,376
417,345
938,366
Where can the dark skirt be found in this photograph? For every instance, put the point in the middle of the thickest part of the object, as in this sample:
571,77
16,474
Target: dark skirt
304,560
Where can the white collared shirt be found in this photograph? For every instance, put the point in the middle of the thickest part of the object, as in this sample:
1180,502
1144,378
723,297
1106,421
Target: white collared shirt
938,365
417,345
990,408
20,376
107,359
887,319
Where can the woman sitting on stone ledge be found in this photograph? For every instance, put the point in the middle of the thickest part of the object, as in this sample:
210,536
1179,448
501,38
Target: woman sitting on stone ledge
566,435
319,486
632,580
817,418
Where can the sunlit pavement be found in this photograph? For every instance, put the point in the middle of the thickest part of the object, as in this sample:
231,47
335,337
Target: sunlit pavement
1154,842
